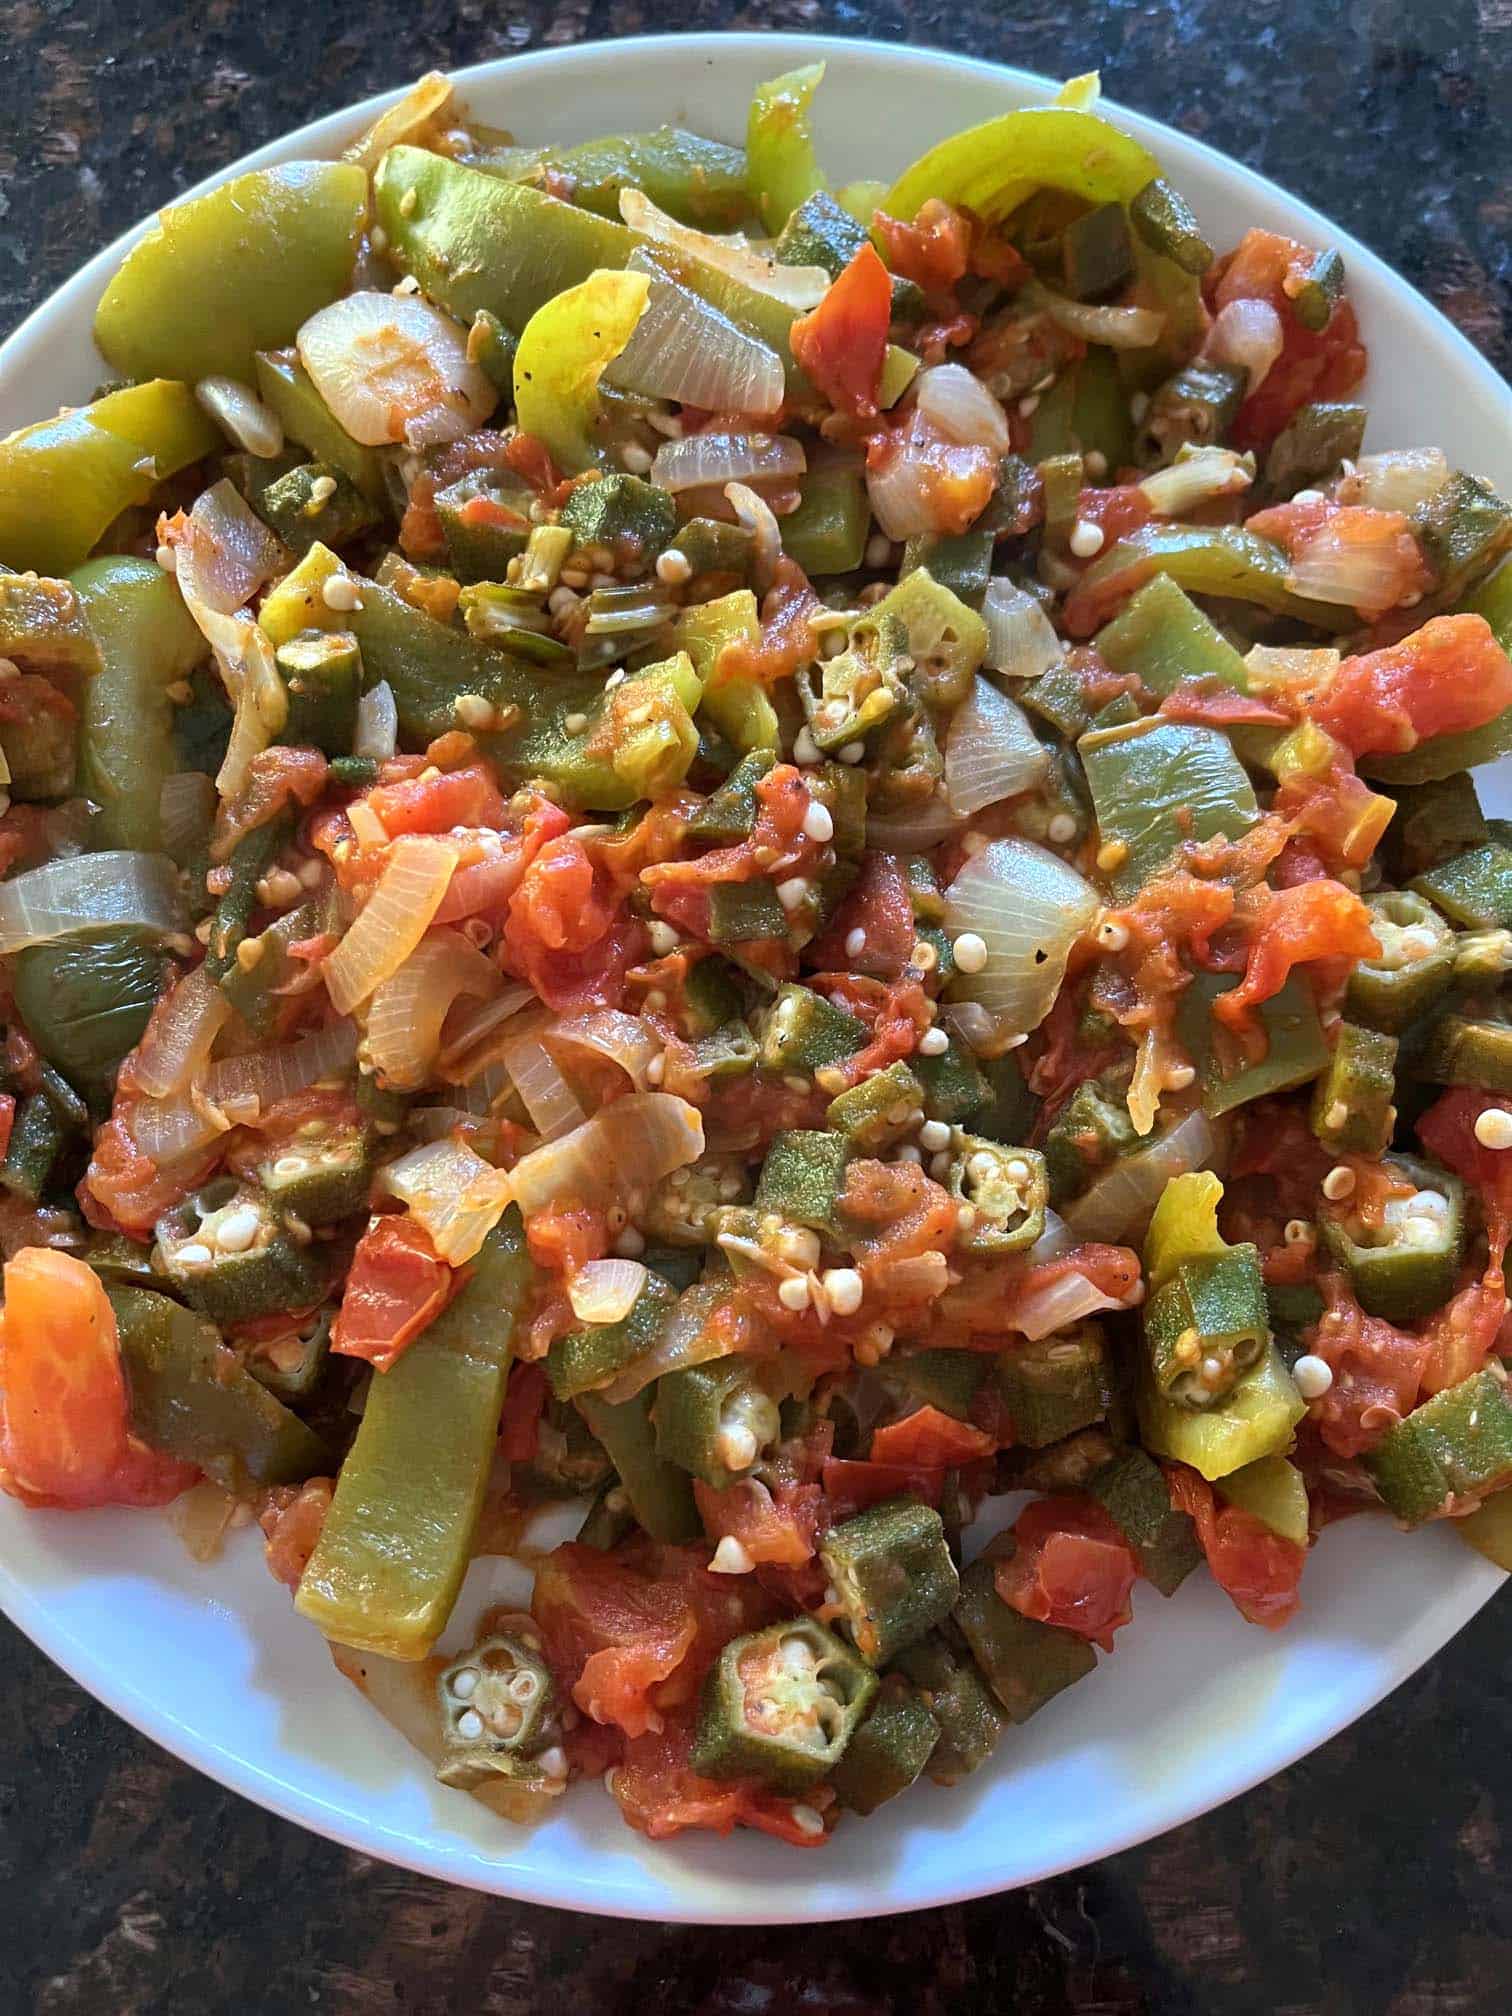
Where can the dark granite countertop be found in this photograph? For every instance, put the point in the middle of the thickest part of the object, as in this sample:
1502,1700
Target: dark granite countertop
1370,1878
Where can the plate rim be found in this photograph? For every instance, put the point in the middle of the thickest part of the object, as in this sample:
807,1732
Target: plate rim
1475,1581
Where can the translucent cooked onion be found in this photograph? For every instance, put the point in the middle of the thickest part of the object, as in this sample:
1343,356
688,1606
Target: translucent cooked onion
553,1106
238,1089
605,1291
759,519
1021,639
991,752
1282,668
1369,574
627,1146
1119,1204
961,407
387,930
1029,908
377,732
392,367
226,552
84,892
181,1034
244,656
469,1033
1248,335
684,349
422,107
407,1011
186,806
1197,476
800,287
623,1039
1067,1300
453,1193
915,830
699,459
1398,480
1114,327
900,489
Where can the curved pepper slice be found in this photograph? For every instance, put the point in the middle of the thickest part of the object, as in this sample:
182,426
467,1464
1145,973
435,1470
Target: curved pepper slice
782,168
561,357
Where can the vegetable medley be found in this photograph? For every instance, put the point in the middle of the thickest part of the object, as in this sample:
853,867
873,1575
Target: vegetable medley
789,859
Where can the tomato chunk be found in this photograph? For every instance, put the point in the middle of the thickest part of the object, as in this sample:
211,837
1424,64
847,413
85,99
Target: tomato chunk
1071,1566
1446,678
842,343
397,1285
1255,1568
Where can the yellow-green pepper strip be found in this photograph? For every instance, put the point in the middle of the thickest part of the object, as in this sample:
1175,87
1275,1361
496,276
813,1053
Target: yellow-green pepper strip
739,708
1488,1529
1184,1227
1163,637
700,182
285,385
1205,1315
563,350
234,271
63,481
1205,560
991,168
147,640
1256,1420
1272,1489
392,1553
1157,785
782,168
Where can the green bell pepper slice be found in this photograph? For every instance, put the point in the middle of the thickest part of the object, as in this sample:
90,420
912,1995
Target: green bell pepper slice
63,482
237,270
737,706
44,628
1456,1445
86,999
698,181
37,1140
1463,529
780,1705
827,533
892,1574
192,1398
993,167
1296,1049
625,513
1257,1419
564,348
1162,637
1474,890
284,385
147,640
1024,1662
1273,1491
782,168
395,1544
1206,560
660,1493
889,1751
1157,786
1488,1529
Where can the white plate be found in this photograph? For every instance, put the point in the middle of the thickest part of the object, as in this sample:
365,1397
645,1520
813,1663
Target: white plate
1196,1705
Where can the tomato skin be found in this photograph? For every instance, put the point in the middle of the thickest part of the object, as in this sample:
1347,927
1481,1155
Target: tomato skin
1116,510
567,935
396,1286
956,482
1448,677
1378,1372
1313,920
466,797
777,1525
1255,1568
1072,1567
842,343
928,1439
65,1437
524,1403
291,1521
850,1485
880,908
1447,1131
1321,364
660,1794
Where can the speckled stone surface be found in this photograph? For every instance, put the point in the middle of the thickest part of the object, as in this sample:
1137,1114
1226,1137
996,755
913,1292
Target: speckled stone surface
1371,1880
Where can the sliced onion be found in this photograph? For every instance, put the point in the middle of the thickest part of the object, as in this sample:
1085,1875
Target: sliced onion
168,1130
1398,480
392,367
1021,639
1052,1242
186,806
1068,1299
623,1039
244,656
1369,574
473,1026
1247,334
800,287
480,1094
682,348
406,1012
605,1291
1029,908
423,106
226,552
991,752
962,408
1115,327
627,1146
553,1106
65,828
1197,476
915,830
759,519
181,1034
407,895
698,459
1122,1199
238,1089
377,732
84,892
453,1192
691,1337
900,490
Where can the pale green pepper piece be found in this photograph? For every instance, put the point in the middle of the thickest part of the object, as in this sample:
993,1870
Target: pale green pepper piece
1273,1490
234,271
1158,785
738,707
1257,1420
782,168
1206,560
563,350
284,385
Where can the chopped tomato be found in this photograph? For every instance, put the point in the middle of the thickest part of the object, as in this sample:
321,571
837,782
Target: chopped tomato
930,1440
291,1519
1116,511
123,1189
524,1403
842,342
396,1286
660,1794
776,1525
1447,1131
278,778
65,1436
566,934
1445,679
932,251
953,483
1377,1372
850,1486
1070,1566
879,907
1255,1567
1321,364
904,1224
1313,921
1462,1335
562,1239
1214,703
467,797
7,1121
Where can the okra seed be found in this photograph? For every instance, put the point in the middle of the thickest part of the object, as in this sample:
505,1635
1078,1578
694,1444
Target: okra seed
1298,1232
167,559
237,1230
1188,1347
575,723
731,1558
1313,1376
465,1684
1339,1183
966,1218
855,942
794,1082
981,1168
908,1153
934,1134
1336,1116
1062,829
248,953
792,893
473,710
673,567
793,1293
923,957
852,752
817,822
655,1001
194,1255
630,1244
663,937
1308,497
1179,1077
1112,934
878,550
933,1043
470,1724
1493,1128
1028,405
1086,539
970,952
807,1821
1112,855
805,748
554,1761
939,1166
844,1287
340,592
1097,464
1212,1371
